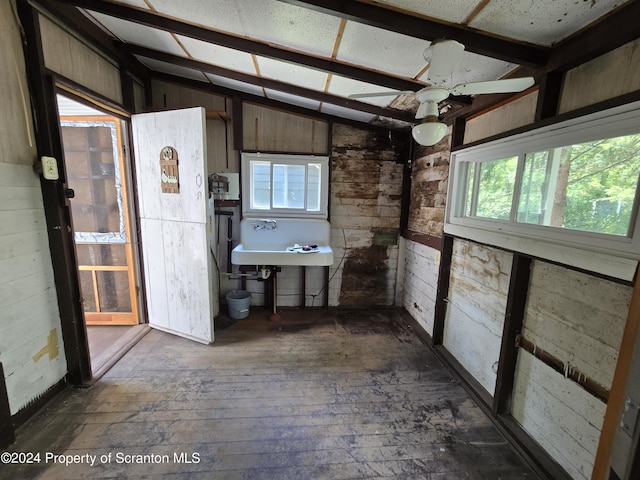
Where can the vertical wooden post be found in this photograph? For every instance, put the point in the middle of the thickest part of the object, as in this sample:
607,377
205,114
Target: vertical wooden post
618,387
513,321
444,275
7,434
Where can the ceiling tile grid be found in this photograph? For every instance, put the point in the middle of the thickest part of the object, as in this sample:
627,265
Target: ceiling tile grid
130,32
291,73
382,50
542,23
218,55
336,55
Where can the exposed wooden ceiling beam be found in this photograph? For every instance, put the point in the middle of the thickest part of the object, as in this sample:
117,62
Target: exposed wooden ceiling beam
272,84
155,20
266,102
425,29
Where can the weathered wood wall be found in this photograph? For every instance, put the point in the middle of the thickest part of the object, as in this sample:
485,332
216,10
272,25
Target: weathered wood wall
479,284
27,290
578,319
420,282
366,190
429,178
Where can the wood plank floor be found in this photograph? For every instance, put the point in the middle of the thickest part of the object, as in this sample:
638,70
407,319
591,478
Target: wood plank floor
323,394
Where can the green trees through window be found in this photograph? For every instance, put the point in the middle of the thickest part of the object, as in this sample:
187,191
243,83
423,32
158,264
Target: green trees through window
588,187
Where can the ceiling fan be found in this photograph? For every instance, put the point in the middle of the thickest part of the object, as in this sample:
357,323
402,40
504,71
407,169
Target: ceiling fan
442,56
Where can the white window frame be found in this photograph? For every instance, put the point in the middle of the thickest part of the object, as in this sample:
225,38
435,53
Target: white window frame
611,255
286,159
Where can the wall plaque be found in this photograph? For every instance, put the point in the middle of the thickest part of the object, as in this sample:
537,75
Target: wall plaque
169,175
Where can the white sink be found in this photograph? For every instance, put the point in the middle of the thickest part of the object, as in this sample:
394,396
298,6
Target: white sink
267,243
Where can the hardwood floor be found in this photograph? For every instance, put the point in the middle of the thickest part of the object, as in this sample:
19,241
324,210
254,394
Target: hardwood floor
323,394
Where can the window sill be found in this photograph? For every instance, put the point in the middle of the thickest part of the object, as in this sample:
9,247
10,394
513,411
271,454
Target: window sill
619,266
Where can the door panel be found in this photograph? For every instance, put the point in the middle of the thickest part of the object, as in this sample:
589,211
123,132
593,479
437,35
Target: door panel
175,226
96,173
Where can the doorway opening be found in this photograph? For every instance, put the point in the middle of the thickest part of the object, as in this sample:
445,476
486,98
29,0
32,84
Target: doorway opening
97,174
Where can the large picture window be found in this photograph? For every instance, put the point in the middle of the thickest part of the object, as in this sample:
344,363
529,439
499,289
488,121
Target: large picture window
288,185
566,187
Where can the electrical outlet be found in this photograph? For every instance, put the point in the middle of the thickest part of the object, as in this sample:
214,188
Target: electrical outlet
50,168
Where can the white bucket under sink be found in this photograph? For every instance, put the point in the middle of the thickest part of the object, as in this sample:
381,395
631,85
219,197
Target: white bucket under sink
264,241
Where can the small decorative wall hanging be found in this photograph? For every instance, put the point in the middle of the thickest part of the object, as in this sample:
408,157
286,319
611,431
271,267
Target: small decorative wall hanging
170,178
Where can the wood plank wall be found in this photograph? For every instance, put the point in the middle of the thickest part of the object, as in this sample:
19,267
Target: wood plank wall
365,205
27,291
577,318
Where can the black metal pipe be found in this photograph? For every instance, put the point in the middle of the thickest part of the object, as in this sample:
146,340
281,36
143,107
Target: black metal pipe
229,242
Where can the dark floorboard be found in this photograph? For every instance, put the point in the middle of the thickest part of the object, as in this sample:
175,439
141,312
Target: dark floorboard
323,394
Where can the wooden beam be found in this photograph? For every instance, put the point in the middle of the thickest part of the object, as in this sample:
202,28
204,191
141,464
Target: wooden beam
56,209
427,29
550,88
618,387
513,321
7,433
273,84
155,20
444,277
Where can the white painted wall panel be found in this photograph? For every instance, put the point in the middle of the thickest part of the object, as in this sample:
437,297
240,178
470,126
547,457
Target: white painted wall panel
421,264
577,318
558,414
476,306
28,299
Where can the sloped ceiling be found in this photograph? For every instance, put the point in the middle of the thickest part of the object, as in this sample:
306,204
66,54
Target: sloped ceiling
314,54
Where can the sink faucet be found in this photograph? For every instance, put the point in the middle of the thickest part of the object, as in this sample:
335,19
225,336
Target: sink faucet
266,224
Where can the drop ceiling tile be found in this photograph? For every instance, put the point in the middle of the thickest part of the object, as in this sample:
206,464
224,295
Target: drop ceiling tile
219,55
235,85
344,87
454,11
342,112
172,69
476,68
131,32
294,27
293,99
543,23
293,74
219,15
382,50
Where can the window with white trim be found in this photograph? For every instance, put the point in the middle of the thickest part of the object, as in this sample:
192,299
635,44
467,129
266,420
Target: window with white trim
570,186
285,185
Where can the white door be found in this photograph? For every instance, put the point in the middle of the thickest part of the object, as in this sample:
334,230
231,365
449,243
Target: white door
174,223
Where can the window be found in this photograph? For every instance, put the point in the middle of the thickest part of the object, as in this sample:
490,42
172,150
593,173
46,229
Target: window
287,185
550,192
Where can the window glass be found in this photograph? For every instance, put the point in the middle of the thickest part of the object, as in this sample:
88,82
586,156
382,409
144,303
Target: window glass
289,185
260,185
495,188
314,190
532,204
595,185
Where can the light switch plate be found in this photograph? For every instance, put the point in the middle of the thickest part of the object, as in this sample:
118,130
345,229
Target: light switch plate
50,168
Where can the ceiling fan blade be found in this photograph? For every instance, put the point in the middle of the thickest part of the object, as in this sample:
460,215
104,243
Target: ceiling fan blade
444,57
508,85
381,94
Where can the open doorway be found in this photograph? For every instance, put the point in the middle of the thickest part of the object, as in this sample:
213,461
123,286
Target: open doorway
93,146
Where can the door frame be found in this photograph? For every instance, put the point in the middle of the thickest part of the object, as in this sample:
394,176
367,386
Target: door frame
43,87
113,318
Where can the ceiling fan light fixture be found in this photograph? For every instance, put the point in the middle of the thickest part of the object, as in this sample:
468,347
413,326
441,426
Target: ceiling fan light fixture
429,133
